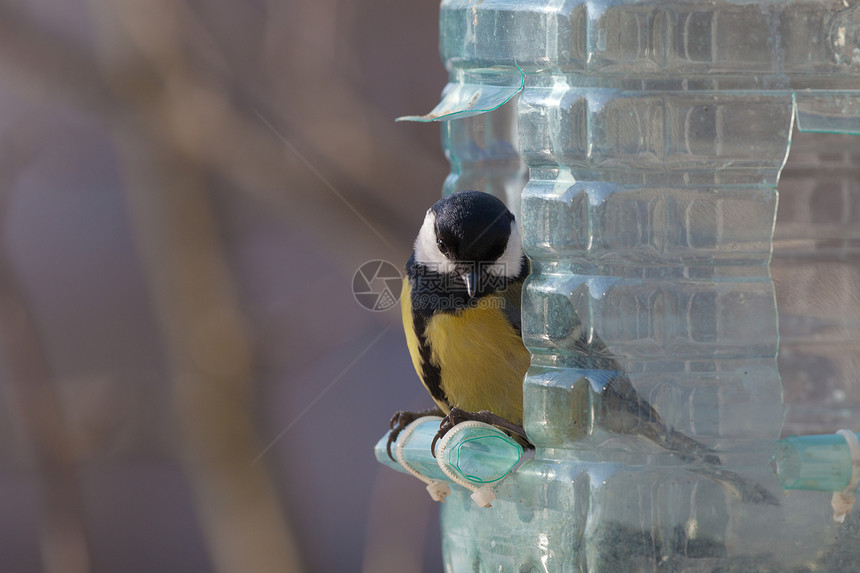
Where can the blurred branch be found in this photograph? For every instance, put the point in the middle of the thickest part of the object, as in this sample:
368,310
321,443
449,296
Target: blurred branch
169,160
64,543
211,358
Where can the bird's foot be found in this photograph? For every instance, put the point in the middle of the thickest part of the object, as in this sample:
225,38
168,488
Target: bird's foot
400,420
456,416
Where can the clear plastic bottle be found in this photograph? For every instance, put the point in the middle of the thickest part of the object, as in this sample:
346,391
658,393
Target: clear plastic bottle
654,134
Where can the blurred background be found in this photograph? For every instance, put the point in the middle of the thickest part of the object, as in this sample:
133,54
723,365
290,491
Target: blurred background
187,188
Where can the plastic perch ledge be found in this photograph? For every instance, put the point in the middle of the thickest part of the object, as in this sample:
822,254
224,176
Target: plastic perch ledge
474,455
829,462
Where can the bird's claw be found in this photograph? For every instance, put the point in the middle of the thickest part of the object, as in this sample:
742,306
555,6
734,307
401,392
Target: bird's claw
398,422
454,417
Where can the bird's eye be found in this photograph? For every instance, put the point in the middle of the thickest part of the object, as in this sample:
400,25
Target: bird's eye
442,246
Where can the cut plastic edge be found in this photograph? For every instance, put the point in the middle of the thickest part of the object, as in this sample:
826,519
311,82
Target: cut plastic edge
464,99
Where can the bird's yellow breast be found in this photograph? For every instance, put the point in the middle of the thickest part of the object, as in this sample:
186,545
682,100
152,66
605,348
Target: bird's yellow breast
481,357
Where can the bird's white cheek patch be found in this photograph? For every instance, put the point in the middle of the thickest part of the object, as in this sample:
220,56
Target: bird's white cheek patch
427,252
510,263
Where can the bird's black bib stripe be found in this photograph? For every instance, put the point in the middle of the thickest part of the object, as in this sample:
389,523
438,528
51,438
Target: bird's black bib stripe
431,374
421,293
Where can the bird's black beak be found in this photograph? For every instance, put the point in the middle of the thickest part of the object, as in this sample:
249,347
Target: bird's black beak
470,277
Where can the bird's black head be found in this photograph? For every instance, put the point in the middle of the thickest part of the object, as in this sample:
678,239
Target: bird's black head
473,237
472,226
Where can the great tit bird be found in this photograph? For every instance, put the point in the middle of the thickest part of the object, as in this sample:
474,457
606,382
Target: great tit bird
461,315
